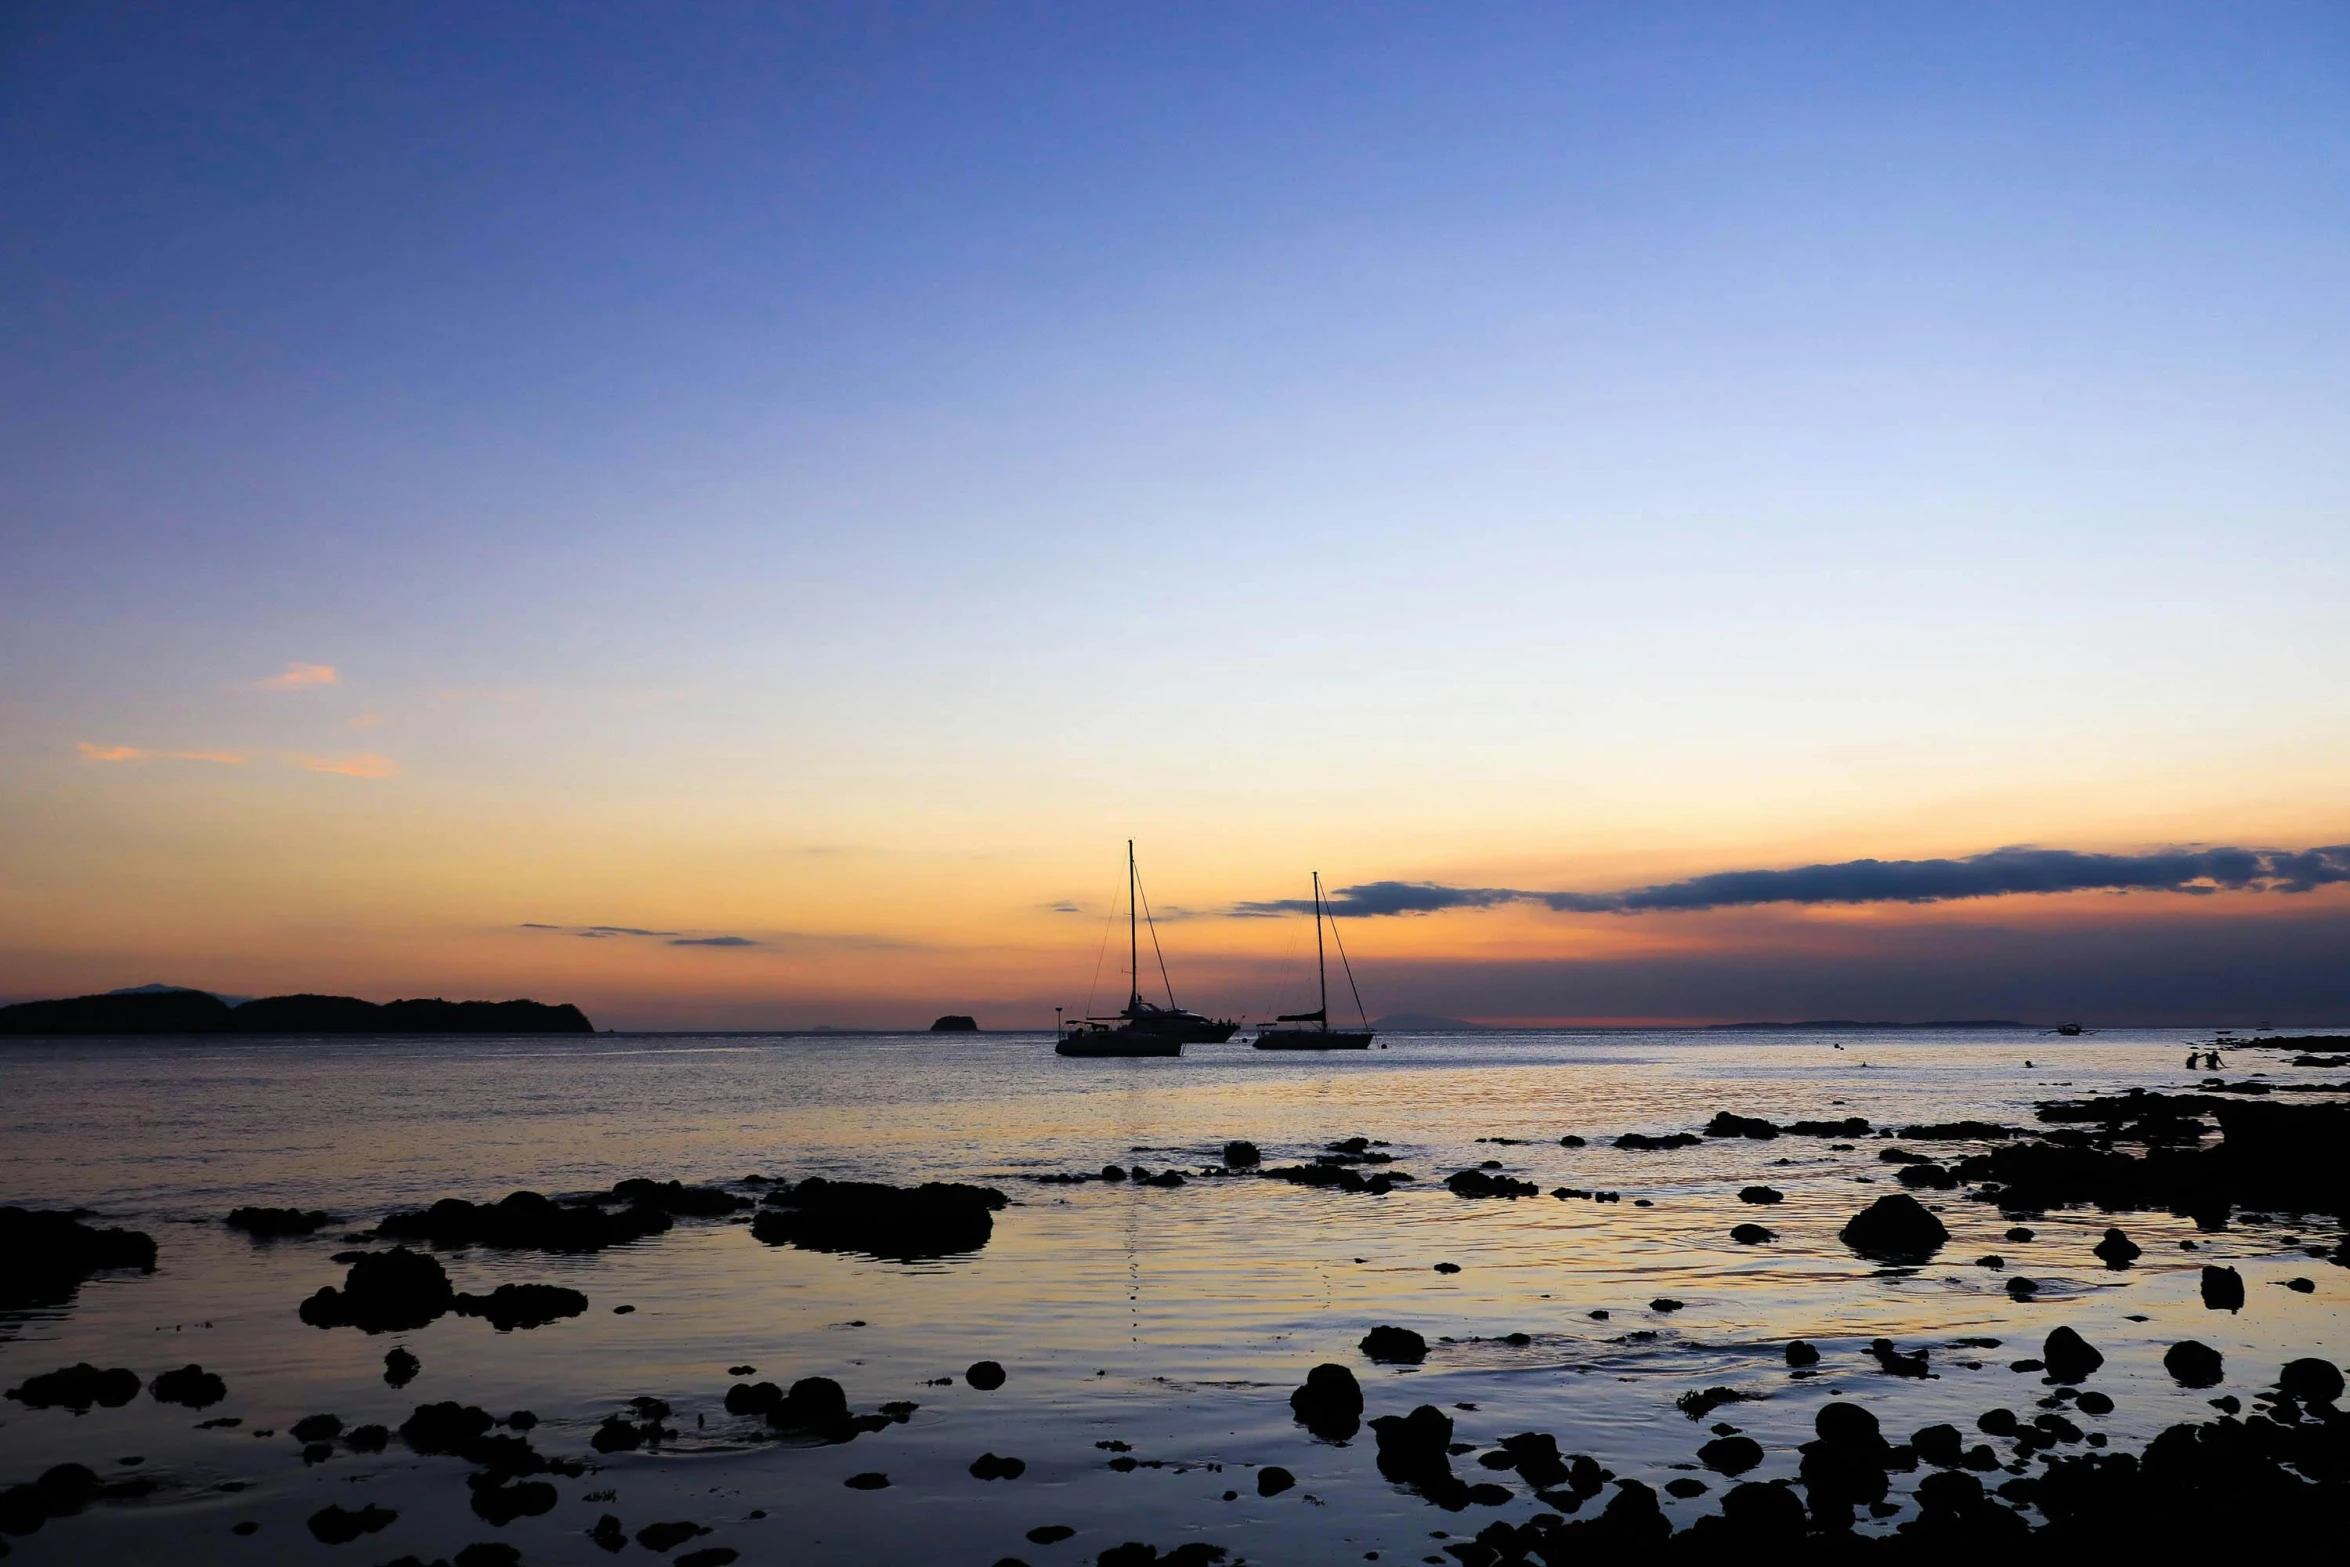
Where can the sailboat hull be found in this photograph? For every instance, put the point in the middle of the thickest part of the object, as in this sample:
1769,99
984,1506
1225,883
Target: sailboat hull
1115,1043
1314,1039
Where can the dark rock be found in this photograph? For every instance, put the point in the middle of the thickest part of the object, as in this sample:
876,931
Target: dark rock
2117,1249
512,1306
955,1023
1997,1422
265,1224
754,1398
525,1221
384,1292
1763,1195
1414,1450
1394,1346
1272,1480
1642,1141
1664,1303
1724,1124
400,1367
2311,1380
668,1536
487,1553
2020,1288
710,1556
1241,1154
500,1503
1940,1445
192,1387
872,1480
1686,1487
1752,1234
367,1438
984,1375
1895,1362
900,1224
1572,1141
987,1466
679,1200
2223,1289
2019,1234
1330,1404
609,1534
1478,1183
45,1256
446,1427
1699,1403
2069,1357
1731,1455
1049,1534
1535,1456
1895,1228
316,1428
2093,1403
77,1387
1801,1353
339,1526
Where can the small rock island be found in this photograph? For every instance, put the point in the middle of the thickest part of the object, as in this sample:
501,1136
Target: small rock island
955,1023
200,1012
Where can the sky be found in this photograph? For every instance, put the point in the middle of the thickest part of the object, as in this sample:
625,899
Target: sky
734,515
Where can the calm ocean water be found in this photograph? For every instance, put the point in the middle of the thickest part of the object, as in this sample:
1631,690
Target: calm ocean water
1176,1321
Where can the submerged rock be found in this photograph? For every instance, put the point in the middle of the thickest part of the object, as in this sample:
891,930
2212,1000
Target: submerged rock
1801,1353
45,1256
1272,1480
1731,1455
1330,1404
1725,1124
900,1224
987,1466
384,1292
1480,1183
669,1536
526,1221
512,1306
400,1367
1761,1194
339,1526
1641,1141
2311,1380
1394,1346
265,1224
77,1387
1241,1154
984,1375
1752,1234
190,1386
1895,1228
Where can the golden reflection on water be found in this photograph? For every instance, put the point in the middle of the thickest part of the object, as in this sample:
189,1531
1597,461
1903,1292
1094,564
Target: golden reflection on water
1175,1320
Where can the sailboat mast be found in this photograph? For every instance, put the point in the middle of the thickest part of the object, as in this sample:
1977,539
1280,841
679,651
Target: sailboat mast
1321,973
1133,947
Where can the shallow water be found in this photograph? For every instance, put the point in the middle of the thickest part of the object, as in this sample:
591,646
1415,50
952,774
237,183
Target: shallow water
1174,1320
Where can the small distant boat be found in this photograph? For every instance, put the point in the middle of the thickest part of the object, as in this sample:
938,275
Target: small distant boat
1141,1028
1312,1030
2069,1030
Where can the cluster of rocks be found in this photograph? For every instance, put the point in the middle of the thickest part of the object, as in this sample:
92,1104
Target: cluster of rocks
1485,1183
897,1223
269,1224
80,1386
532,1221
45,1256
399,1290
817,1408
62,1491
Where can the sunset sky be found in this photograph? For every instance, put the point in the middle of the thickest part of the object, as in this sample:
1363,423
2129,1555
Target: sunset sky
732,515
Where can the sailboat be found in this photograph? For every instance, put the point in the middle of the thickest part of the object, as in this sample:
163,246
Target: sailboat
1313,1030
1142,1028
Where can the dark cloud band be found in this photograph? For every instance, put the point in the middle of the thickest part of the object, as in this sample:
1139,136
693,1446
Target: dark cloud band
1999,873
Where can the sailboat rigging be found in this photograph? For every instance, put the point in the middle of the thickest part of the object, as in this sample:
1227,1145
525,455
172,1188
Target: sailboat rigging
1142,1028
1313,1030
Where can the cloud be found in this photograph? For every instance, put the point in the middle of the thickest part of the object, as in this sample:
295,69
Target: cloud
132,753
622,930
300,677
1063,906
535,925
364,721
2195,871
713,941
363,764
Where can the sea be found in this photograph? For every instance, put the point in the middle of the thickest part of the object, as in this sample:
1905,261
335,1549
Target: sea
1165,1326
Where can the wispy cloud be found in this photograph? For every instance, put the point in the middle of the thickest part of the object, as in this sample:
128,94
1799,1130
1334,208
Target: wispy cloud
1063,906
2194,871
624,930
535,925
299,677
133,753
363,764
713,941
365,721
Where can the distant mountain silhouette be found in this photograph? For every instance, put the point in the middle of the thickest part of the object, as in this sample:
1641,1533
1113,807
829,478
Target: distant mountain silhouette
1422,1022
955,1023
157,1010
